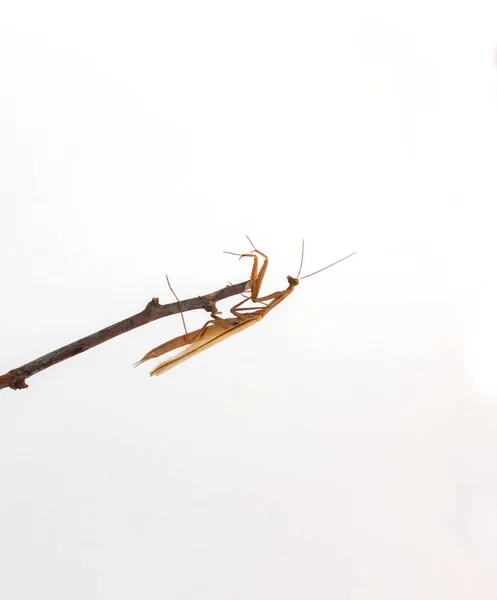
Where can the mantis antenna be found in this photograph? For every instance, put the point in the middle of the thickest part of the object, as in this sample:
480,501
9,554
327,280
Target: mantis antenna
324,268
301,260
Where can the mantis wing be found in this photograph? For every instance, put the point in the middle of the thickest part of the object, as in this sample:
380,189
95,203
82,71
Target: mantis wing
216,334
204,333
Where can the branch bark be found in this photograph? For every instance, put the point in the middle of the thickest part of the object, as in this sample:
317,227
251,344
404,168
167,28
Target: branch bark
16,378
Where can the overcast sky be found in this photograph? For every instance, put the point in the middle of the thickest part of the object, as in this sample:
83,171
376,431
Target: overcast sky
345,446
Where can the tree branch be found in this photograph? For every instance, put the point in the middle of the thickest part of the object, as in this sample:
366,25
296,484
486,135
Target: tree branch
16,378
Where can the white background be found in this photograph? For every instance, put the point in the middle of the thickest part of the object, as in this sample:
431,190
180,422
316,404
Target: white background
346,446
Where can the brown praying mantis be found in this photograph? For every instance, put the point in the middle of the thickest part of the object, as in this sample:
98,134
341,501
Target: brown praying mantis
218,329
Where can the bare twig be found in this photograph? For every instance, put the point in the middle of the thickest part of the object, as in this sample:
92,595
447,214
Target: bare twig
16,378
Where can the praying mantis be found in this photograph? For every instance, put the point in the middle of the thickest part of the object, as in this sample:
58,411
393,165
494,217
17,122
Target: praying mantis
218,329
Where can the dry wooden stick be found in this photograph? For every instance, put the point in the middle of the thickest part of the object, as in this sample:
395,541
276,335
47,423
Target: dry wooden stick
16,378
